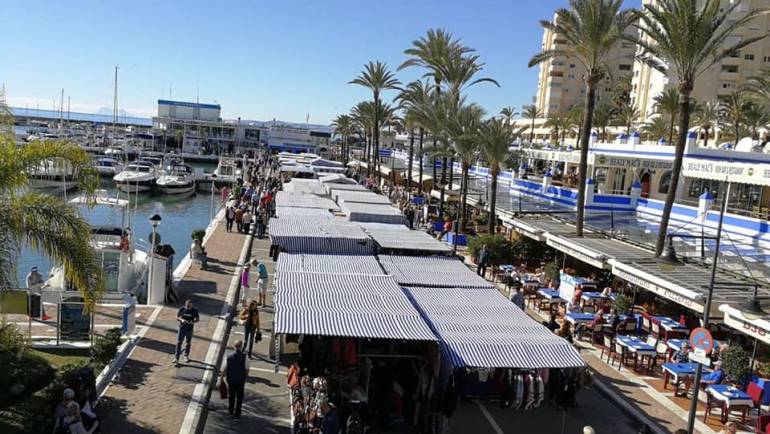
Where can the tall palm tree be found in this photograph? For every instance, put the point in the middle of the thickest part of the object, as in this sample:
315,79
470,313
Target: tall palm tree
626,115
666,104
376,77
591,28
508,113
756,118
688,36
532,113
733,111
462,129
706,118
44,222
603,118
655,129
415,94
575,118
363,115
495,137
343,126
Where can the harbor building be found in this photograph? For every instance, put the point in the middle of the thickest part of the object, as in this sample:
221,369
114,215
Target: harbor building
560,81
719,80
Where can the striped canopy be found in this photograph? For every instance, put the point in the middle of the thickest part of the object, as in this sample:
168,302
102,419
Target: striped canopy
307,186
431,271
336,178
364,212
333,189
306,235
479,328
399,237
308,213
346,305
304,200
333,264
344,197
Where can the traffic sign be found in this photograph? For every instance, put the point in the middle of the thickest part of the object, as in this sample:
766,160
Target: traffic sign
699,357
701,340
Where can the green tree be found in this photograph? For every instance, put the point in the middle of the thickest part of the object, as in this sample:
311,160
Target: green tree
687,37
463,130
532,113
363,116
733,111
376,77
706,118
626,115
655,129
44,222
416,94
603,118
666,104
343,126
591,28
756,118
495,137
508,113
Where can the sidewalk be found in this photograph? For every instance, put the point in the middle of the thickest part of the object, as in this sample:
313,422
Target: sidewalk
150,395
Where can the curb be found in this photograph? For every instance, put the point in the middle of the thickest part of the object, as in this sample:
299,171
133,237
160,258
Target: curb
110,371
624,406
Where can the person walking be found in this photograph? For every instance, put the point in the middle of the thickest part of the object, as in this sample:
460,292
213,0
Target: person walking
250,318
246,221
235,372
481,270
239,219
260,222
230,218
518,298
262,283
245,282
187,316
35,283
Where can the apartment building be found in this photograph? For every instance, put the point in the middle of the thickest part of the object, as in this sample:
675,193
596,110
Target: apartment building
560,81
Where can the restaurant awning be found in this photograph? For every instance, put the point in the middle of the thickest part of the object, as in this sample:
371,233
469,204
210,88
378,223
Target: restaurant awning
596,249
431,271
756,328
479,328
346,305
334,264
538,227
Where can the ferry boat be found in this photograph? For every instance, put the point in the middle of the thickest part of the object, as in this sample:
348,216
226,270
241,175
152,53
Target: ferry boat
178,178
138,176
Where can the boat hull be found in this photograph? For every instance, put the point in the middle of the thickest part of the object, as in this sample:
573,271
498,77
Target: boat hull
134,187
177,188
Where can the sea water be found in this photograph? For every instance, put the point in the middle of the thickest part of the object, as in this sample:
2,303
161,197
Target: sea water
181,214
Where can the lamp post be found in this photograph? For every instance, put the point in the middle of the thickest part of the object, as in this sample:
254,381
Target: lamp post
155,222
211,206
668,258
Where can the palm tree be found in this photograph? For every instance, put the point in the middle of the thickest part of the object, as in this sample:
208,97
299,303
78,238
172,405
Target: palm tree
620,91
377,78
655,129
755,119
706,118
343,125
667,103
591,28
688,36
733,112
560,125
44,222
626,115
363,115
531,112
575,118
508,113
495,137
462,128
603,118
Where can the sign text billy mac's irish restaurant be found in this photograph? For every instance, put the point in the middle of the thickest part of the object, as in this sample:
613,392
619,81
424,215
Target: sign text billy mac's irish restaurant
746,173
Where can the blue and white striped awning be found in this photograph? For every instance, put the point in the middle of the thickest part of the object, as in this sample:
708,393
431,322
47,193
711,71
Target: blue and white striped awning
307,186
336,178
364,212
306,235
399,237
333,264
480,328
346,305
333,189
343,197
308,213
304,200
431,271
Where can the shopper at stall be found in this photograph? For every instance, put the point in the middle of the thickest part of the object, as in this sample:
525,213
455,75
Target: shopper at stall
331,422
262,277
235,372
250,317
187,316
481,270
245,282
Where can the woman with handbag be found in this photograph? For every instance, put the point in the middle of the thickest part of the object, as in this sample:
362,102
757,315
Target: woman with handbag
250,318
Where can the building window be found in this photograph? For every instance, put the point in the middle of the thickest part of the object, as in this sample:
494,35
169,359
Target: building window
553,106
665,182
729,68
766,59
728,85
748,56
571,65
552,84
571,76
624,67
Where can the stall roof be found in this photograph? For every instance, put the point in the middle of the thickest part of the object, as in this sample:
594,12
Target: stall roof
337,178
304,200
479,328
360,197
334,264
431,271
346,305
333,189
308,186
375,213
334,236
395,237
310,213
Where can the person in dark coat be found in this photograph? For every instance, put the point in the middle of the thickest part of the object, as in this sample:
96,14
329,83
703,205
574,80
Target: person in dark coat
235,372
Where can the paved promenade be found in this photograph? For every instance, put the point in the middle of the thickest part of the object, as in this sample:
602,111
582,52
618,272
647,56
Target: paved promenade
150,395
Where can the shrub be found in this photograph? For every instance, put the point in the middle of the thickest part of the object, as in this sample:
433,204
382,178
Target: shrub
735,363
105,347
623,304
552,270
198,234
499,248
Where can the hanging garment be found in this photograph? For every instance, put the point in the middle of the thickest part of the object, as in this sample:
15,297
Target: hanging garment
518,394
483,375
525,381
507,393
531,392
539,391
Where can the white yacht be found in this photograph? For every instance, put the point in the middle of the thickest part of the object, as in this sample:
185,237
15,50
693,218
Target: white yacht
177,178
123,260
108,166
137,177
229,170
52,175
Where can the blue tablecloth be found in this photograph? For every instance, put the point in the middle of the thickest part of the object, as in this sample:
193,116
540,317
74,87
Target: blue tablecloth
549,293
591,296
669,323
729,394
636,345
680,369
506,267
577,317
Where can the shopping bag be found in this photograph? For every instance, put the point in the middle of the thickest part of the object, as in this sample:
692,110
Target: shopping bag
222,389
258,336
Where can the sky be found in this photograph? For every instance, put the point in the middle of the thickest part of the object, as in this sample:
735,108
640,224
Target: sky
283,59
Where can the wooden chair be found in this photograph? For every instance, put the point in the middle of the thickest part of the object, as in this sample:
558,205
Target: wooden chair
755,392
609,342
646,324
661,353
630,327
655,329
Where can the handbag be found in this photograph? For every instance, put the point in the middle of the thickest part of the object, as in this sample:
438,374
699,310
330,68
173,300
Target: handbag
222,389
258,336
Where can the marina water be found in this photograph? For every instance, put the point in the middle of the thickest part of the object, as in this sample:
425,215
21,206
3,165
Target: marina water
181,215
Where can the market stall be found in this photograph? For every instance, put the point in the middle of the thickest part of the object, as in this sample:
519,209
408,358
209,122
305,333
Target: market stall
335,264
400,239
431,271
377,213
303,235
304,200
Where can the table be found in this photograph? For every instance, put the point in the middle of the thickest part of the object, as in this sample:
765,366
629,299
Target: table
638,347
579,318
728,398
679,372
551,296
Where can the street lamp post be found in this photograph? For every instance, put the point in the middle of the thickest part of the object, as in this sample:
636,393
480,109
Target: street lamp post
155,222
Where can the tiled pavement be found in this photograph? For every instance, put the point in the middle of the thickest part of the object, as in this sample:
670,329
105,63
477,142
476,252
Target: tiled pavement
150,395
